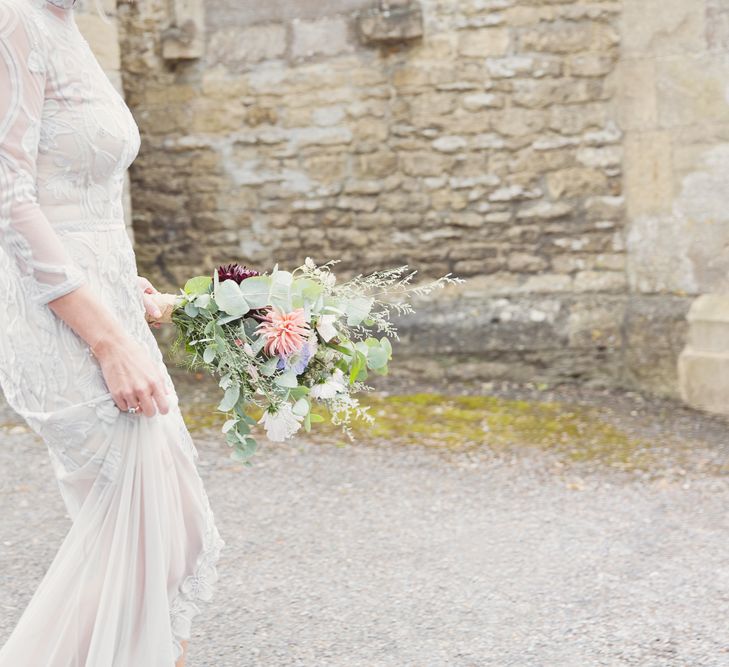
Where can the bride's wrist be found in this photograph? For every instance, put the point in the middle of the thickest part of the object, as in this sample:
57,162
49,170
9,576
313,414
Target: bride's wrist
106,344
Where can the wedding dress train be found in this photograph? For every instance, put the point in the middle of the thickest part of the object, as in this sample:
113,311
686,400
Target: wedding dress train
140,556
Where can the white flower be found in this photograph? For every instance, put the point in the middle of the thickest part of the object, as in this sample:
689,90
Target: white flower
330,387
282,424
325,326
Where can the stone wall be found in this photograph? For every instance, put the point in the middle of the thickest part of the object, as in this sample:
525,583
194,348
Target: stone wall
674,109
494,147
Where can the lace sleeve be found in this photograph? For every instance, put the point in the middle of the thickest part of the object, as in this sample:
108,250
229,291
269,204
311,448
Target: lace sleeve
43,264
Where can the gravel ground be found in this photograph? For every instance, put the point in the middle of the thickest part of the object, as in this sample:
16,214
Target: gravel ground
378,556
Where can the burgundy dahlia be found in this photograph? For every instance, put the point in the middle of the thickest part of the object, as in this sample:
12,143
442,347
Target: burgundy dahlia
235,272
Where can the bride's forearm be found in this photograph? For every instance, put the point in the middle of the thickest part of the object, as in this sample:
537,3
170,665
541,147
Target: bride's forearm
89,318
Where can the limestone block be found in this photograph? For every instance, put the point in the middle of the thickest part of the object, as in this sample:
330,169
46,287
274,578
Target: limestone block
478,101
600,281
236,47
484,43
596,322
692,91
520,65
568,37
322,37
576,182
655,333
717,25
591,64
637,103
185,37
518,122
396,21
525,263
703,366
452,144
604,208
545,211
648,173
662,27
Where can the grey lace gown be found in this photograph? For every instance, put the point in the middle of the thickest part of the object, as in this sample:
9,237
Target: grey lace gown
140,556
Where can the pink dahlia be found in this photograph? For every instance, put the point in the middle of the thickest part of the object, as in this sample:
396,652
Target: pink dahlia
285,333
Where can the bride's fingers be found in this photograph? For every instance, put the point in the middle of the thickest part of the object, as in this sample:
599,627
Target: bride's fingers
121,402
151,306
147,286
147,405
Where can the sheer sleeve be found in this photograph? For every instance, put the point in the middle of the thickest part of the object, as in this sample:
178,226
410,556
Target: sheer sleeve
44,265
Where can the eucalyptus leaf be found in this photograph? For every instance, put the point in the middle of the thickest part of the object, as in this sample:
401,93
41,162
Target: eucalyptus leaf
229,298
202,301
191,310
281,290
209,354
197,285
241,456
229,318
358,366
258,344
269,367
229,424
257,291
357,309
299,392
287,379
376,357
230,398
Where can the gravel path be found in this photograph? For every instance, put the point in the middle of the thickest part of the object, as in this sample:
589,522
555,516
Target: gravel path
379,556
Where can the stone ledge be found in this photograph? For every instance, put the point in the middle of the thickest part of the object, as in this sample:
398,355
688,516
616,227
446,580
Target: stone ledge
390,25
703,366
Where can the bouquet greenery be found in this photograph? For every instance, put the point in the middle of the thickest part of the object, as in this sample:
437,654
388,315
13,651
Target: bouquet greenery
289,340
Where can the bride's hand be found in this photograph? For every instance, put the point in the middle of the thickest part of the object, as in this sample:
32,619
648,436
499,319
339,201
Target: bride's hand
149,304
131,375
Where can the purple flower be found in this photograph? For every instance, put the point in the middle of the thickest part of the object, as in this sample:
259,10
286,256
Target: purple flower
235,272
300,360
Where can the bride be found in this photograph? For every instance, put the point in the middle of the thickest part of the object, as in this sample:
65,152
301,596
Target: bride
79,363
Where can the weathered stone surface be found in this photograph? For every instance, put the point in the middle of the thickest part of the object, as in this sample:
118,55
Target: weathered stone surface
692,91
484,43
717,25
496,147
662,27
649,176
401,21
655,330
235,48
322,37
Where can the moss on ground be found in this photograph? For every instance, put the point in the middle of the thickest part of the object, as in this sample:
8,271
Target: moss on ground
465,423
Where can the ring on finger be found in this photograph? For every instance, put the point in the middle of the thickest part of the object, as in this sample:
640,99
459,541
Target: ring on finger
134,410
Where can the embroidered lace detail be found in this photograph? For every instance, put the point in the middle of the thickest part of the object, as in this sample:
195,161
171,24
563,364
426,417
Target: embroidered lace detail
198,587
66,141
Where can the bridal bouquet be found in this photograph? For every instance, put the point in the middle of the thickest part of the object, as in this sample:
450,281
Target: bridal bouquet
289,341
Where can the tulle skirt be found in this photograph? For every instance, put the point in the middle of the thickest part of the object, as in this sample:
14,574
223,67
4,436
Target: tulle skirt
140,557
